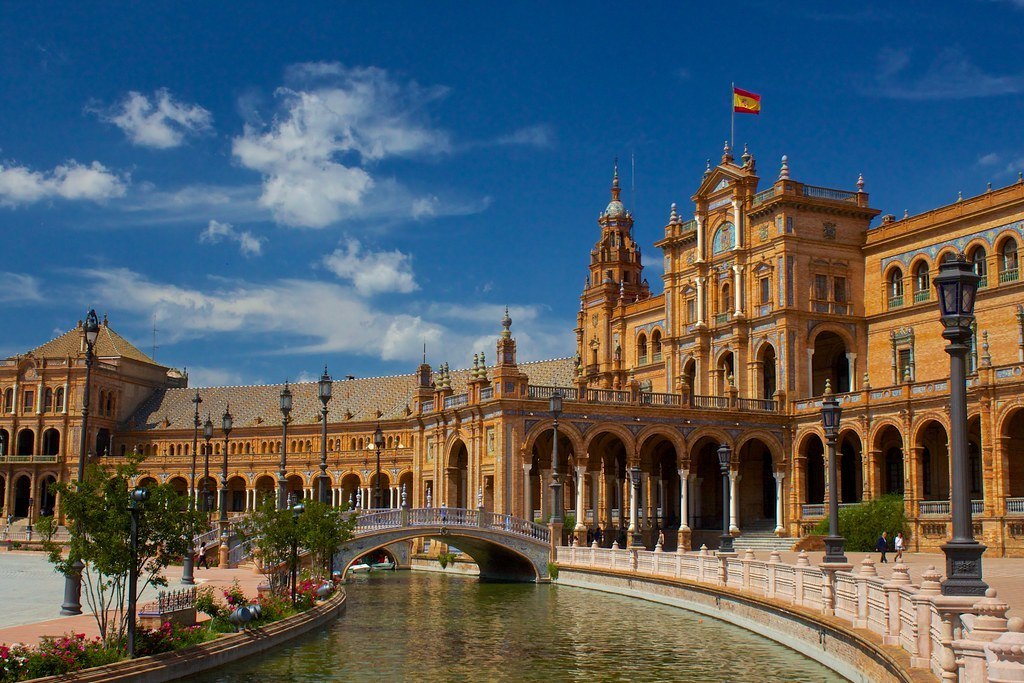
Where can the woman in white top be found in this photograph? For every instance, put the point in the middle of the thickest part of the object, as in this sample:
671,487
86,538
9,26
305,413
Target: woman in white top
899,545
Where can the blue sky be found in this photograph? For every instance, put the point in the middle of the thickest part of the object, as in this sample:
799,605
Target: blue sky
280,186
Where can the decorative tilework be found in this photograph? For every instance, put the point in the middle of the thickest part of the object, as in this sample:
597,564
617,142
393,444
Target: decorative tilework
959,244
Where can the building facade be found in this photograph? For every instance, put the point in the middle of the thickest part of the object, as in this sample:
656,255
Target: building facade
770,292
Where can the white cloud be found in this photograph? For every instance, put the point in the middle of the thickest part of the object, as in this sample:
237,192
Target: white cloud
315,318
333,121
950,76
249,244
990,159
532,136
216,377
161,122
71,180
19,288
372,272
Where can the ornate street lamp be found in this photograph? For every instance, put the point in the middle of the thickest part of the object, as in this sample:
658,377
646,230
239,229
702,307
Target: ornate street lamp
188,562
831,413
73,581
724,456
555,405
139,495
207,484
378,443
226,422
282,473
324,391
957,285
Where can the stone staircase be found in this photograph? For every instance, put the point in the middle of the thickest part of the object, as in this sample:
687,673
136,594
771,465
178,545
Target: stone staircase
760,537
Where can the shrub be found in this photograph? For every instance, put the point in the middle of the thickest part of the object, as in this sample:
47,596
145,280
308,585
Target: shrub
305,594
54,657
553,571
207,603
862,524
168,637
235,597
444,559
274,607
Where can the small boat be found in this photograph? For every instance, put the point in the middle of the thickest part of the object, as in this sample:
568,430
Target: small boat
363,567
383,565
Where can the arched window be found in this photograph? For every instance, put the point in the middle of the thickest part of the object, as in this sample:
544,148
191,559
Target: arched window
48,400
110,403
656,345
59,400
9,401
1008,271
895,288
980,267
724,239
725,299
641,348
921,282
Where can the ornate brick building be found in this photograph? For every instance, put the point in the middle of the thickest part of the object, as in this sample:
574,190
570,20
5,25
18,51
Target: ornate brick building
768,292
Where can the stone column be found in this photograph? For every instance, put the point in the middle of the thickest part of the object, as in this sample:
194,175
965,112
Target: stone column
737,222
581,528
684,500
734,502
700,238
64,409
851,364
737,272
780,477
697,481
527,493
810,372
700,299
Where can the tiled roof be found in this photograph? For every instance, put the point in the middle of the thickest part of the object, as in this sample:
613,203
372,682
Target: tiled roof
253,406
109,344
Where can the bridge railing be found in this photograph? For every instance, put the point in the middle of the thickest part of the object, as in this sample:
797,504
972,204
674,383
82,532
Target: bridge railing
517,525
450,517
385,519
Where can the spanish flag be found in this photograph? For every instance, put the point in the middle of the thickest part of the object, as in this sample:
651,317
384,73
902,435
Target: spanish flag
745,102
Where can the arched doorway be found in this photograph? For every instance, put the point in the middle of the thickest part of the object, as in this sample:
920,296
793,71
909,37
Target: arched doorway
405,480
829,362
756,488
180,486
236,494
851,478
1012,448
22,495
889,444
766,361
457,476
349,487
47,498
51,442
706,493
266,487
608,458
689,376
659,461
384,491
207,493
726,372
814,470
932,461
103,441
26,442
5,441
296,489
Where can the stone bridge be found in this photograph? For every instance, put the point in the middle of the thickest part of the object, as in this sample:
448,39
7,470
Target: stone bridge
506,548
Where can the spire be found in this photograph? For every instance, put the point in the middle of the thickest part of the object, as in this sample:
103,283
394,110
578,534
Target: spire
483,366
707,169
860,182
784,171
615,181
673,216
726,153
506,323
746,157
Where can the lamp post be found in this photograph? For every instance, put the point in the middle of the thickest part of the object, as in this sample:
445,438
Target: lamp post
226,422
324,391
831,414
378,443
188,562
207,492
724,456
138,496
296,511
282,473
957,285
636,538
555,406
73,581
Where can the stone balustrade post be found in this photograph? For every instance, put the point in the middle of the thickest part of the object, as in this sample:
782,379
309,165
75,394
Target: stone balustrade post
748,557
867,572
1005,655
798,577
922,599
900,579
773,561
723,568
989,623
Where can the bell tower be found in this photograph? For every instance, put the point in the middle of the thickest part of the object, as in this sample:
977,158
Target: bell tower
615,280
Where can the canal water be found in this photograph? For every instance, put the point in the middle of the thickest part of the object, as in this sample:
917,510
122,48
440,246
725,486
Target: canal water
420,626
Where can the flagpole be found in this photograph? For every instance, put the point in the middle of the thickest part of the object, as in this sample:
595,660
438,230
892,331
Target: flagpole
732,108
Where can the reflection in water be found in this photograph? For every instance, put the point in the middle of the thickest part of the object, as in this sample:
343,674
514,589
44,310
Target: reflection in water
416,626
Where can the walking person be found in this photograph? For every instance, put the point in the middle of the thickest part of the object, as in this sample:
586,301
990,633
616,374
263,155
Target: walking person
883,546
898,542
202,557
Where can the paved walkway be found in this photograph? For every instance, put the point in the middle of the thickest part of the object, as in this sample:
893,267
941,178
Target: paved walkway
31,594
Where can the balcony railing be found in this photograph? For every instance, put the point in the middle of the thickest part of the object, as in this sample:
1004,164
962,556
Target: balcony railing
812,510
922,295
487,393
456,400
895,301
29,458
1015,506
762,197
545,392
829,193
607,396
765,404
699,401
1009,275
931,508
656,399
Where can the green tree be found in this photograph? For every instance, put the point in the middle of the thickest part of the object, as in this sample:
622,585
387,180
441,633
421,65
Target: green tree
99,524
322,531
862,524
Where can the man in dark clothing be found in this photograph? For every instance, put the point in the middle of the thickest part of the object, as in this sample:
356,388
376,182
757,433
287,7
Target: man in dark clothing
882,546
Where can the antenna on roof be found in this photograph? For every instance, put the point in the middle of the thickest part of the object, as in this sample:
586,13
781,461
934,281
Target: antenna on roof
155,347
424,352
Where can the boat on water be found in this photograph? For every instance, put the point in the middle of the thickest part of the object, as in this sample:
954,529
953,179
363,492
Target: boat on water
362,567
383,565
